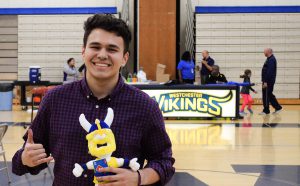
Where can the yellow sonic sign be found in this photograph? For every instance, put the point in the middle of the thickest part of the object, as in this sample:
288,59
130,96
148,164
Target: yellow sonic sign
195,103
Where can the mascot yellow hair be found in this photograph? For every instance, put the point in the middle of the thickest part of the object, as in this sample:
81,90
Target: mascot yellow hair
101,144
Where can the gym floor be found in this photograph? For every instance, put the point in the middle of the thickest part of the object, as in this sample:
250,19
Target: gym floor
257,150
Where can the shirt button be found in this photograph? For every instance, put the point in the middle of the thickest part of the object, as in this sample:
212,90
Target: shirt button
88,97
109,99
97,106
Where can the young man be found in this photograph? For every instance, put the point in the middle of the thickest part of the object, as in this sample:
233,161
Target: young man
138,124
268,78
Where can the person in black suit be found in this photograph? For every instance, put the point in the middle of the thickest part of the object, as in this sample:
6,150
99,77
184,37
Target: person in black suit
268,78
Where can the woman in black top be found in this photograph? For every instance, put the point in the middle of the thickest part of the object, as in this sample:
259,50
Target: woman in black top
245,92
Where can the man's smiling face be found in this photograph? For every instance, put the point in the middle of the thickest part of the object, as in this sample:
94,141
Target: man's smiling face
103,54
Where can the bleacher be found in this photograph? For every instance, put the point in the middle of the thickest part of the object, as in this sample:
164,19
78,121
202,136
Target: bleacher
236,41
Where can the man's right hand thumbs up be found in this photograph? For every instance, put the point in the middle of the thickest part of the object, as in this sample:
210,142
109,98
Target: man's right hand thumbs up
34,154
30,136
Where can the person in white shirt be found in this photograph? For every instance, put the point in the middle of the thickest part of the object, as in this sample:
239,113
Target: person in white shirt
70,72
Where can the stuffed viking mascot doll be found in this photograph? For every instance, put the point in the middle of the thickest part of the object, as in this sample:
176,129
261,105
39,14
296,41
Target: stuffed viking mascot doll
101,144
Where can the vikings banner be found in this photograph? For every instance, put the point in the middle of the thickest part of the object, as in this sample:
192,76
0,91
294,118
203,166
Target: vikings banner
195,103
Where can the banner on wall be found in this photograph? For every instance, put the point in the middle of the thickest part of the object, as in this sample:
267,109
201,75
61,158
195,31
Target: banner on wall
195,103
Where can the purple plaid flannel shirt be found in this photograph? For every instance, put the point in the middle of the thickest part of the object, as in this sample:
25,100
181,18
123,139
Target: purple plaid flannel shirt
138,127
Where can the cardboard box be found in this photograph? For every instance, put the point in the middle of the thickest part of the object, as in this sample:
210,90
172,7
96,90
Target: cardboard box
160,68
161,77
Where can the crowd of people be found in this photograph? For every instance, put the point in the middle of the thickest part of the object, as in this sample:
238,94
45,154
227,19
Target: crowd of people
210,74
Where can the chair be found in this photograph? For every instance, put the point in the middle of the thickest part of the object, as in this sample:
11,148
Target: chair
3,129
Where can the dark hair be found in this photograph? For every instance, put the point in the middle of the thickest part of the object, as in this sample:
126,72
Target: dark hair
186,56
108,23
216,67
81,68
246,73
69,60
